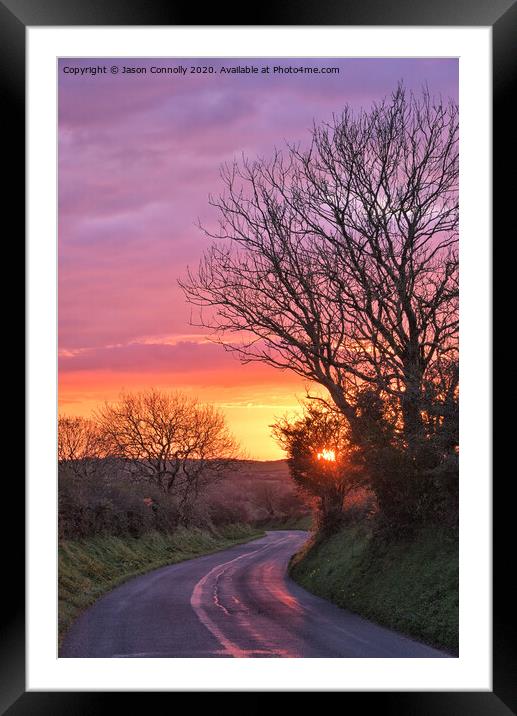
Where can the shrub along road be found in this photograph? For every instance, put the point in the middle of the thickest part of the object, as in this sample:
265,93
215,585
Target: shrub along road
236,603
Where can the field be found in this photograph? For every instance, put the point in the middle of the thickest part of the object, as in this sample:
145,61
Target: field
259,493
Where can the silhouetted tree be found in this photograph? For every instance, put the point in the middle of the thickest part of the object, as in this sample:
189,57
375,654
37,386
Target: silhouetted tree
322,459
169,440
339,261
79,446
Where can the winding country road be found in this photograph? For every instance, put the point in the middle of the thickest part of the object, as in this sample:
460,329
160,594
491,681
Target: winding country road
236,603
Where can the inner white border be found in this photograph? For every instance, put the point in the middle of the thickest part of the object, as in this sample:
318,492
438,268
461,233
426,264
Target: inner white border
472,671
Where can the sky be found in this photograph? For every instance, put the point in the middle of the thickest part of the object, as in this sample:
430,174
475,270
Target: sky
138,156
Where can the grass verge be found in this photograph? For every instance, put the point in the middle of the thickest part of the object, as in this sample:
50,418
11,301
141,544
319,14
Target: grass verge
409,586
88,568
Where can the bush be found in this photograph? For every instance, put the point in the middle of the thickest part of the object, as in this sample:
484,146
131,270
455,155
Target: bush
112,505
107,502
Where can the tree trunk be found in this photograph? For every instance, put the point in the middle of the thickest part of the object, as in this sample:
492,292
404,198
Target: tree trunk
331,511
411,404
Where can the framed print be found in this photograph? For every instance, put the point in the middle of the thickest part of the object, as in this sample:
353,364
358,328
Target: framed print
258,367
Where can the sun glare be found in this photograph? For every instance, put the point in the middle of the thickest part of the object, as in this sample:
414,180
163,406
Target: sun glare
328,455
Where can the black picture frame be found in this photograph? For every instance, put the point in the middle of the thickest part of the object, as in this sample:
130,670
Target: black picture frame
501,16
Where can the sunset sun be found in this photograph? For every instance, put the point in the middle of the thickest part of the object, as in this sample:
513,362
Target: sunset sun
328,455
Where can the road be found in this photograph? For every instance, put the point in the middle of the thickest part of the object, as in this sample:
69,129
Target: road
236,603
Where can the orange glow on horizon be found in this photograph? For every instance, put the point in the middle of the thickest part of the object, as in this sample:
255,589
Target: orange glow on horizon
250,400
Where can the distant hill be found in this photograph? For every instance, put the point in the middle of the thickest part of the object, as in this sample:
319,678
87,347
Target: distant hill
257,491
276,470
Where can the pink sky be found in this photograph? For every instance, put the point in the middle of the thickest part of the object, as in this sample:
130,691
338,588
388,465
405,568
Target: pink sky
138,156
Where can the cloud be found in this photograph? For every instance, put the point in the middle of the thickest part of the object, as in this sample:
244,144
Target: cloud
181,357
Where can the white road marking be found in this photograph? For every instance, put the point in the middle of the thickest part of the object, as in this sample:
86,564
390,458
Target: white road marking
196,602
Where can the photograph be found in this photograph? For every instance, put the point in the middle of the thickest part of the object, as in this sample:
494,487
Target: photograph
258,357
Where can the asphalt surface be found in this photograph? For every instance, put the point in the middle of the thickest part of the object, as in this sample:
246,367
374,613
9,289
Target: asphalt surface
236,603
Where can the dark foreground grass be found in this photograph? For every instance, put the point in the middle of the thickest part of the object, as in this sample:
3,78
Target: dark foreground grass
409,586
88,568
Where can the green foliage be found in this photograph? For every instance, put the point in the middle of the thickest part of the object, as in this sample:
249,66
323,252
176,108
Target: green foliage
90,567
410,586
321,460
414,484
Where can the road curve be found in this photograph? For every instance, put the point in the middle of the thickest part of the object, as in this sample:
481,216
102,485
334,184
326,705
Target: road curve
236,603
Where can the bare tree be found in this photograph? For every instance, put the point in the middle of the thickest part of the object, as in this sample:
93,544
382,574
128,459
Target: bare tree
339,261
79,446
169,440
